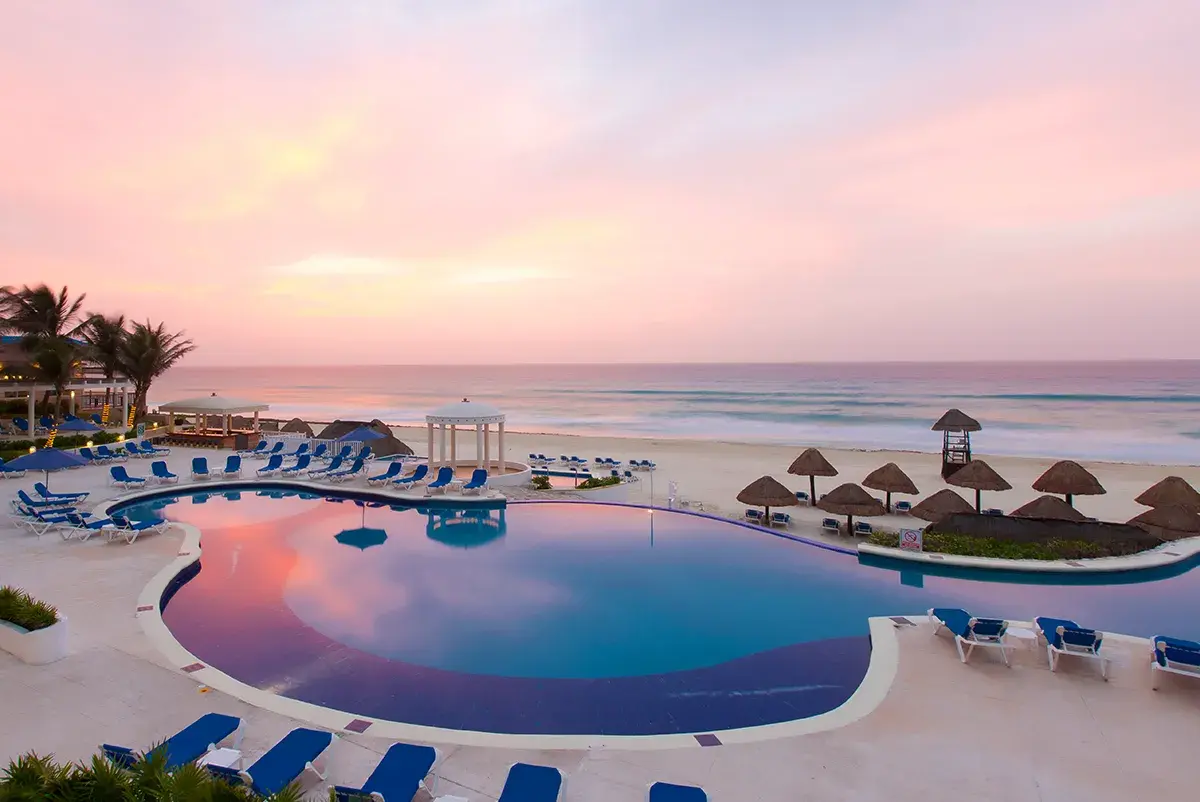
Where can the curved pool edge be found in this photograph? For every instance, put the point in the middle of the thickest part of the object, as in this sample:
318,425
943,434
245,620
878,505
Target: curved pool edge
1168,554
871,691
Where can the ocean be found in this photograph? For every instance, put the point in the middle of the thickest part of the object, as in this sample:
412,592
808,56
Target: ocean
1120,411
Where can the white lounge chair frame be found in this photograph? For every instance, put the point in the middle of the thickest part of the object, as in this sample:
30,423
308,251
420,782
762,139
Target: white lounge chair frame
1183,670
1054,653
959,641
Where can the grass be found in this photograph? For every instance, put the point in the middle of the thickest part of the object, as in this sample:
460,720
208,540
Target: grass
18,607
541,483
968,546
599,481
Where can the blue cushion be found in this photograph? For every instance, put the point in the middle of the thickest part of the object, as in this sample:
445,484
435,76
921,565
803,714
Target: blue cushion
666,792
120,755
956,619
1049,628
400,772
192,741
1177,650
285,760
529,783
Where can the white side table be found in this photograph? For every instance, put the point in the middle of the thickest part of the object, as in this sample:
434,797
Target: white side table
225,758
1023,636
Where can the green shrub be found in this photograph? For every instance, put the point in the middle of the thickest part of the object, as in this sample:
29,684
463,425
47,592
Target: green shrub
34,776
541,483
18,607
967,546
598,481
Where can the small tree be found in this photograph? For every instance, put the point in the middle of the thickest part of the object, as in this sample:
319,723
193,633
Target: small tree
104,336
147,352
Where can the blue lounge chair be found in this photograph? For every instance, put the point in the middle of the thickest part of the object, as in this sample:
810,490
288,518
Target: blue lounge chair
781,519
343,453
105,453
273,467
993,511
445,476
401,773
233,467
346,474
300,451
253,452
200,468
10,473
119,478
96,419
46,422
36,505
1064,637
153,450
970,631
43,491
479,480
92,456
272,451
902,507
334,465
366,454
302,463
831,525
42,521
130,530
158,470
319,451
189,744
394,470
1174,656
79,526
667,792
133,451
802,497
418,476
863,528
629,477
754,515
22,425
301,751
529,783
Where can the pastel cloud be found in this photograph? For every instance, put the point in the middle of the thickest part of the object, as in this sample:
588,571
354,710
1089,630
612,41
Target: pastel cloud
730,175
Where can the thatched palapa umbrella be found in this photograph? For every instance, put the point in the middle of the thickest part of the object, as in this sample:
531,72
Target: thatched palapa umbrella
767,493
812,463
1051,507
1174,491
890,479
977,475
1169,522
1068,478
941,504
850,500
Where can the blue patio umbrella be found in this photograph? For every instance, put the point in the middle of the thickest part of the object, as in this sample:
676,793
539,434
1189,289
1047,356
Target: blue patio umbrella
362,538
361,433
463,529
78,425
47,459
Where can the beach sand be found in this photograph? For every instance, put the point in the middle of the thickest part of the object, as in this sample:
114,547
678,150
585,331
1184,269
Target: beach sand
713,473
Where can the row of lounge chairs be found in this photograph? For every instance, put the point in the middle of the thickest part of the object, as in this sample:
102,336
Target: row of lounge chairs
597,463
320,452
783,519
403,770
46,423
143,450
58,511
1062,637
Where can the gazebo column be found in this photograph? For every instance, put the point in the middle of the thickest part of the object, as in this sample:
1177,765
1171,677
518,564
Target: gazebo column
453,446
487,445
479,446
429,449
442,444
32,408
170,423
256,420
500,448
72,407
225,424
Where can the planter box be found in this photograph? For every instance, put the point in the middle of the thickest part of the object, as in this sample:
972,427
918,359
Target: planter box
38,647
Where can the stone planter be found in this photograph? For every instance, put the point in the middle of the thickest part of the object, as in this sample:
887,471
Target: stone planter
38,647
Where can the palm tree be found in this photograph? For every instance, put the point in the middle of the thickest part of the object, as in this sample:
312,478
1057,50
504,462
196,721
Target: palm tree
104,336
147,352
48,323
54,362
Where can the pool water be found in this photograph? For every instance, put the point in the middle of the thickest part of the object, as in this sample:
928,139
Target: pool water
685,623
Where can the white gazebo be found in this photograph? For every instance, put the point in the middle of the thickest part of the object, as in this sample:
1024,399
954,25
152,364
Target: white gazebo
213,404
466,413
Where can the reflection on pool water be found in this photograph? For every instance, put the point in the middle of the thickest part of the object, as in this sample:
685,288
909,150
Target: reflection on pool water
569,618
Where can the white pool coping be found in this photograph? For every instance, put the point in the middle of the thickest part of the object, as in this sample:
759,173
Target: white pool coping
1167,554
881,672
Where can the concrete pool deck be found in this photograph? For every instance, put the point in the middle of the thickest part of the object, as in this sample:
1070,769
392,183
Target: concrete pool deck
943,730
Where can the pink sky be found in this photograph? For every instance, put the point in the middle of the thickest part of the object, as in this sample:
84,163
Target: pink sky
536,181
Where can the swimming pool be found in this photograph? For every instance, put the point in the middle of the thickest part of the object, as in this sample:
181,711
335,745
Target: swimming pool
569,618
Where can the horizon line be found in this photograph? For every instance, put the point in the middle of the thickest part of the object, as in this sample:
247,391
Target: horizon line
1126,361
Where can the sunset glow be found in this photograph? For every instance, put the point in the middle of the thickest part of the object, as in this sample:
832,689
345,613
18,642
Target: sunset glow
304,183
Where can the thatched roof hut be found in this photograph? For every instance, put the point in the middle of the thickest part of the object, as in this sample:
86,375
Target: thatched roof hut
955,420
1068,478
890,479
1170,522
977,475
766,492
1172,491
298,426
941,504
812,463
851,500
1050,507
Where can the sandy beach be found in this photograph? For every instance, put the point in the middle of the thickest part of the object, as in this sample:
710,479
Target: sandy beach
712,473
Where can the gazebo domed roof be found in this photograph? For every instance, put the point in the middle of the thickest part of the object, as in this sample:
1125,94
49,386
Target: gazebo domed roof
465,412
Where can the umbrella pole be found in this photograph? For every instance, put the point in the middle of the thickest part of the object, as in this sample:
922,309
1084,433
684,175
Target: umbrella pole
1070,503
849,524
889,502
812,491
978,502
766,514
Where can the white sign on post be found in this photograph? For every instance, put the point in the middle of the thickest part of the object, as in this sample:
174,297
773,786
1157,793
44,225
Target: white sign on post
141,430
672,491
910,539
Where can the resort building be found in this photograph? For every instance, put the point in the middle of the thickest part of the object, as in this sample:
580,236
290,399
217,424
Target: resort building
88,388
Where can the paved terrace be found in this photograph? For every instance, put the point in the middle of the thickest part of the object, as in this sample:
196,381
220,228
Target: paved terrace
944,730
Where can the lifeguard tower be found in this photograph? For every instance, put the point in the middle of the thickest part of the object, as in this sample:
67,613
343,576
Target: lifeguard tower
956,427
